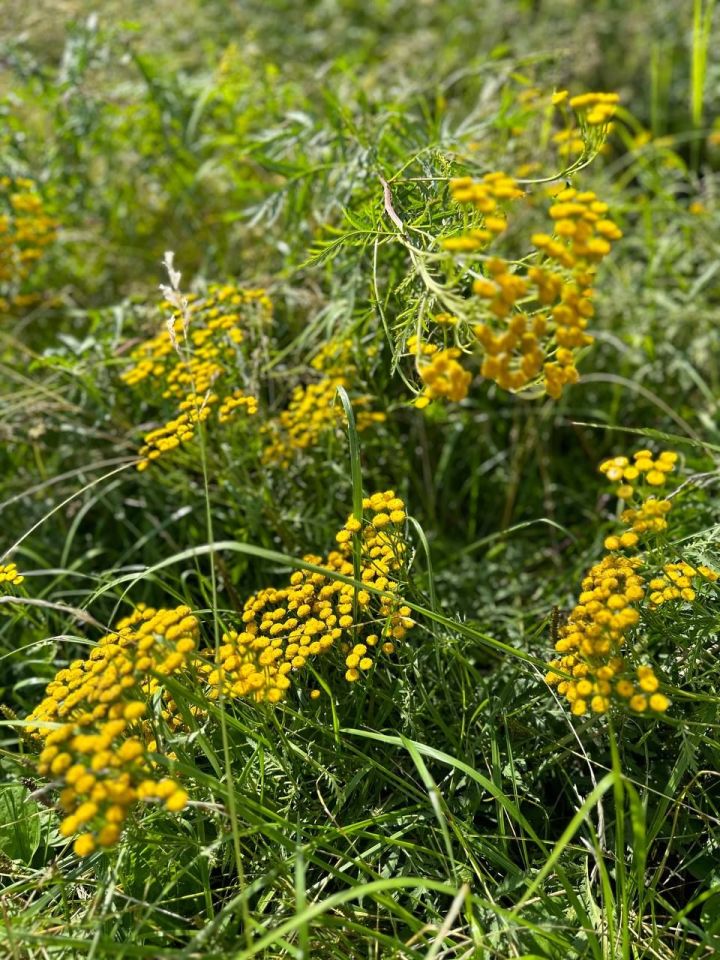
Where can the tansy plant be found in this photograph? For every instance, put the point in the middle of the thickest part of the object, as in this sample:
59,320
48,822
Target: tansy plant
527,320
26,230
197,364
206,364
602,650
98,725
524,322
106,722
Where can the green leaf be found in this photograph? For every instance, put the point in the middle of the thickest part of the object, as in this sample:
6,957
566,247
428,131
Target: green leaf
19,823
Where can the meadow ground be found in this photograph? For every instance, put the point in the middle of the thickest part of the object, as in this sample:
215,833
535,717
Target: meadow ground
359,477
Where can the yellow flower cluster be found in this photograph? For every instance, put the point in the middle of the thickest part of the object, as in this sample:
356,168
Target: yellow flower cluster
234,402
515,357
309,413
677,582
534,317
637,478
313,409
641,477
596,109
512,358
581,221
444,377
649,517
285,627
198,367
25,231
484,195
643,470
9,574
94,728
573,141
594,113
592,673
181,429
99,723
364,419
